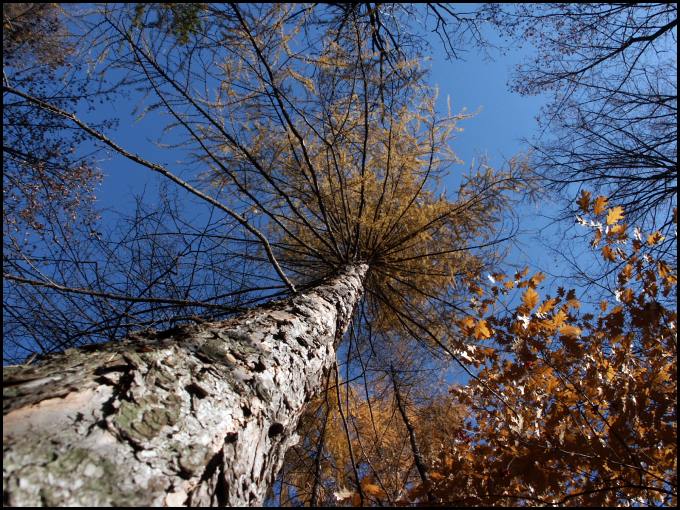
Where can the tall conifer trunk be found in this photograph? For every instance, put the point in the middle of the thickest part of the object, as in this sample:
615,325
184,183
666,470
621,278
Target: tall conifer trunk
199,415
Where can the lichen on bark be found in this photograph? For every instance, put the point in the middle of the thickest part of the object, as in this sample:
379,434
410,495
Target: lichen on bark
200,415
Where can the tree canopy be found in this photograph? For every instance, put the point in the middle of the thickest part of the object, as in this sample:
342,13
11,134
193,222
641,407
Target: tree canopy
299,140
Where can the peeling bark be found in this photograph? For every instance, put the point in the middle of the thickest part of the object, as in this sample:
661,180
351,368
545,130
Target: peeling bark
199,415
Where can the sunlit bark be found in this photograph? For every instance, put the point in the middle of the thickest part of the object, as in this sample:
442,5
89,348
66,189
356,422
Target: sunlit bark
198,415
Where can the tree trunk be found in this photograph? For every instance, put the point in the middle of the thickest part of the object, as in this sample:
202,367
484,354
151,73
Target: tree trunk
199,415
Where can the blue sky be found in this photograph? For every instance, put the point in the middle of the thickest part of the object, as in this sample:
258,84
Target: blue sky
479,85
474,84
502,121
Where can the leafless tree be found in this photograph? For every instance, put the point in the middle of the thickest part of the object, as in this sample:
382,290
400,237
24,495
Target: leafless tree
611,124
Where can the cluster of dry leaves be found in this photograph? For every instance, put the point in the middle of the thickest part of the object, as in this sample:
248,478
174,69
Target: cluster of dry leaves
573,404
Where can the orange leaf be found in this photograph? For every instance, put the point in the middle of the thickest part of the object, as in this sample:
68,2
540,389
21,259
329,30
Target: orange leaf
611,373
530,298
570,331
558,319
547,305
596,240
654,238
536,279
627,296
373,490
667,274
599,205
499,277
615,215
618,231
482,330
487,351
608,254
573,303
584,201
467,323
436,476
521,274
626,273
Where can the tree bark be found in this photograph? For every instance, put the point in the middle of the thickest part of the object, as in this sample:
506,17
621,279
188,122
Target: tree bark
198,415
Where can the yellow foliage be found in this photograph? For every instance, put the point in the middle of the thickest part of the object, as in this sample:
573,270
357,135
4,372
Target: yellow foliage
615,215
378,207
559,414
530,298
482,330
598,384
570,331
600,205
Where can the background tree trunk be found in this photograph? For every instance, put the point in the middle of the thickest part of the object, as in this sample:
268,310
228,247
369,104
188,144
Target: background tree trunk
197,415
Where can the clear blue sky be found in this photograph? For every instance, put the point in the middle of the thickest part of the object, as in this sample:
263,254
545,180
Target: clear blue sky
503,120
479,85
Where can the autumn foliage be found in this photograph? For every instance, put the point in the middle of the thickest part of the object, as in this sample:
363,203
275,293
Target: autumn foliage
310,133
577,408
573,403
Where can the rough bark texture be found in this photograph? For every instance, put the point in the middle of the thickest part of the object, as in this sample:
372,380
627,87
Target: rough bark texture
199,415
